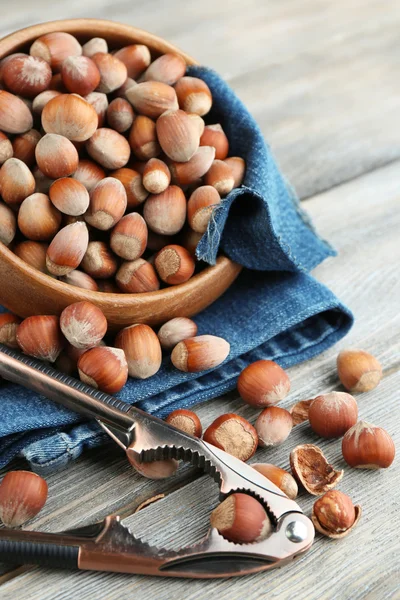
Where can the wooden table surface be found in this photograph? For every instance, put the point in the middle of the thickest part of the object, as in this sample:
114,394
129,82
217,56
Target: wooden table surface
323,81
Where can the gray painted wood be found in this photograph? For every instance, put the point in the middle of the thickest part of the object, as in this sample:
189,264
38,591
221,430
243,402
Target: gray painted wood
322,81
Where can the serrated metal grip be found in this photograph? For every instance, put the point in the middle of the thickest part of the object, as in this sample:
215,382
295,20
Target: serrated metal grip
65,390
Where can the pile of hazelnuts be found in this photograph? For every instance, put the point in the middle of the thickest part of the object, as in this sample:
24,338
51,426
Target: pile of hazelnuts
109,175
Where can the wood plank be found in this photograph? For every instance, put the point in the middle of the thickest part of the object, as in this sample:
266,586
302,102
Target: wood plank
365,276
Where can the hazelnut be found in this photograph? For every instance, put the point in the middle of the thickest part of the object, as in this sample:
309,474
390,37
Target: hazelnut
22,495
38,219
263,383
55,47
177,135
69,196
83,324
220,176
107,204
99,102
175,331
113,72
71,116
56,156
240,518
152,98
331,415
273,426
334,514
104,368
81,280
142,350
80,75
174,264
201,205
167,68
24,146
358,371
6,148
185,420
88,173
156,176
16,181
132,182
200,353
109,148
193,95
33,253
190,171
366,446
40,336
137,276
8,224
312,470
67,249
99,262
234,435
238,168
165,213
40,101
93,46
120,115
26,75
299,411
128,239
143,138
15,116
281,478
135,57
9,324
214,135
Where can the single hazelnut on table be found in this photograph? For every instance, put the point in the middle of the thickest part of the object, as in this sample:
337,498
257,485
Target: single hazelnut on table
194,95
38,219
156,176
113,72
334,514
80,75
200,207
177,135
132,182
263,383
69,196
9,324
242,519
165,213
331,415
104,368
358,371
312,470
128,238
55,47
143,138
366,446
167,68
99,102
175,331
214,135
152,98
26,75
40,336
135,57
16,181
299,411
67,249
120,115
273,426
220,176
137,277
142,350
22,495
33,253
174,264
189,172
185,420
83,324
200,353
71,116
281,478
93,46
234,435
8,224
238,168
56,156
6,148
15,116
107,204
99,262
88,173
109,148
24,146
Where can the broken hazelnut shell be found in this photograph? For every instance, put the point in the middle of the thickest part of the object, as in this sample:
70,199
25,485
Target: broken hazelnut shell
312,470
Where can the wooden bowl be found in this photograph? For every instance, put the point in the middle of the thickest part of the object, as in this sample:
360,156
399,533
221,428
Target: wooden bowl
26,291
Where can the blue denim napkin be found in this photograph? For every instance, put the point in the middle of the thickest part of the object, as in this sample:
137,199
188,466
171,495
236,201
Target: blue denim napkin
274,310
